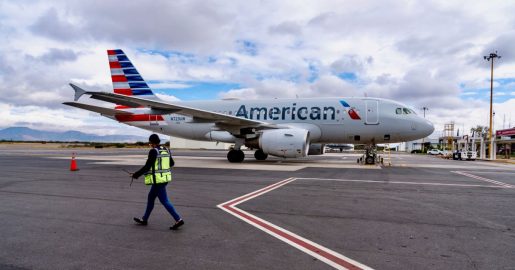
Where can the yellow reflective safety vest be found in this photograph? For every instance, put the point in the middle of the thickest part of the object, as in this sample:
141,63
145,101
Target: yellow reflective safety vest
160,172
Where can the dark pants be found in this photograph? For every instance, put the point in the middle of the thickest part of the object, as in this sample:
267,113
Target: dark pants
160,192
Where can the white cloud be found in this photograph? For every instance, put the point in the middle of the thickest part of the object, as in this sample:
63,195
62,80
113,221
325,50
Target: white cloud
167,97
421,53
165,85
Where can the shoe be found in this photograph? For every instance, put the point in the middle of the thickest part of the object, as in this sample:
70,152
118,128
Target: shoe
177,225
140,221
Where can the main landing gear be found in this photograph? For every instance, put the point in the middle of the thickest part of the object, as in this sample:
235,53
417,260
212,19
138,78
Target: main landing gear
235,156
260,155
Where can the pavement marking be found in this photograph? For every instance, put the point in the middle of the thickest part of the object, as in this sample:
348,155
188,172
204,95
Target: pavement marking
324,254
483,172
484,179
403,182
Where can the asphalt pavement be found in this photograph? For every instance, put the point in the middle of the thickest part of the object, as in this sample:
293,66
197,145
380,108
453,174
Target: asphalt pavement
421,213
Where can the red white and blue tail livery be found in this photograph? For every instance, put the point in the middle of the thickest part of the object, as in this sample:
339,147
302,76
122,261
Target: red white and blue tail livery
126,78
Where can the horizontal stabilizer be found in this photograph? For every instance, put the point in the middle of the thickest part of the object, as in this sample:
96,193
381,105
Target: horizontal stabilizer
97,109
78,91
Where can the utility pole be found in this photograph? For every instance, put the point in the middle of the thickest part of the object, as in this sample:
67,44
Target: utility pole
425,109
492,56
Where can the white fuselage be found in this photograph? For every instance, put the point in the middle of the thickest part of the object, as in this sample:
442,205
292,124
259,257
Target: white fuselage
329,120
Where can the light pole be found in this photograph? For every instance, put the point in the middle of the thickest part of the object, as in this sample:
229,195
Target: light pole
425,109
492,56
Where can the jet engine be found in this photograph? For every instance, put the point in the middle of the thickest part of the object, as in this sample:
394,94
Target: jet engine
288,143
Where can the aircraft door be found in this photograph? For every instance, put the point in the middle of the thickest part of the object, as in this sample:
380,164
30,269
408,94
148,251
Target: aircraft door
372,112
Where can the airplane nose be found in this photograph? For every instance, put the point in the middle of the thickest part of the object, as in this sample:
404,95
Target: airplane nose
427,127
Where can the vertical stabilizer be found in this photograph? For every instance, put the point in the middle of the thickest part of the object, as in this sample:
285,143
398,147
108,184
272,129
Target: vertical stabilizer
126,79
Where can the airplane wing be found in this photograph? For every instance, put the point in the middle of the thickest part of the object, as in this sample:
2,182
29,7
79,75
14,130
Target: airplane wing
166,108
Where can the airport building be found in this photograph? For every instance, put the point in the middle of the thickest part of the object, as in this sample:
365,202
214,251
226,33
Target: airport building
417,144
180,143
505,143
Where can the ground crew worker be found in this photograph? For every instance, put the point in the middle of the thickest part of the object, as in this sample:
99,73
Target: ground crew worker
157,174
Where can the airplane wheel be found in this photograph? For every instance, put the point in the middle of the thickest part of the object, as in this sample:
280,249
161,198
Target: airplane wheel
260,155
235,156
369,160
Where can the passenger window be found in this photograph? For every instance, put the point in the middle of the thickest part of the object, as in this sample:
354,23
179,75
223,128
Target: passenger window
406,110
398,111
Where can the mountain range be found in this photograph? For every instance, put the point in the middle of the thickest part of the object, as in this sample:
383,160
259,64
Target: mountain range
28,134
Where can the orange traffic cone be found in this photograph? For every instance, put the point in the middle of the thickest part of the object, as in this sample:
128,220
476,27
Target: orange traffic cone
73,165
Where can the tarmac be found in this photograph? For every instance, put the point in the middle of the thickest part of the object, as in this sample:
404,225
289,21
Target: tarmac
320,212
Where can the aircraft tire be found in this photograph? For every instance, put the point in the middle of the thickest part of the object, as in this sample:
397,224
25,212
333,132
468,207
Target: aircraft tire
235,156
260,155
369,160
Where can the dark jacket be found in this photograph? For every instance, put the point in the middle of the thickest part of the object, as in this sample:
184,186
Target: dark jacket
151,160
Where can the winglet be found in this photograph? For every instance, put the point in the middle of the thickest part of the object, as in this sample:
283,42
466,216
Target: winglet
78,91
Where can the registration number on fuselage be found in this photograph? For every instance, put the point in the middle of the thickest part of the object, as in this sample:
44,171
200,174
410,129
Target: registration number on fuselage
178,118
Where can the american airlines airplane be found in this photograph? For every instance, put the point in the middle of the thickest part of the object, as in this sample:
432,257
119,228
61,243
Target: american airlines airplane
288,128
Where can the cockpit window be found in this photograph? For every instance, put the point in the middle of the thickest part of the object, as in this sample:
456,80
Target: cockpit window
404,111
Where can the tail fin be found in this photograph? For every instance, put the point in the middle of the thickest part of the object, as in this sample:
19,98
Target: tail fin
126,79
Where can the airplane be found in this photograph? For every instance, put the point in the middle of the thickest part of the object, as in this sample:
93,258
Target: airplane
288,128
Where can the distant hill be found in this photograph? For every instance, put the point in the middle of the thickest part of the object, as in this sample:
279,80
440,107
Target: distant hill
28,134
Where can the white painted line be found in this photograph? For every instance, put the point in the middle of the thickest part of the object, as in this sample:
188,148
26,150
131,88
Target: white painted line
324,254
502,184
485,172
400,182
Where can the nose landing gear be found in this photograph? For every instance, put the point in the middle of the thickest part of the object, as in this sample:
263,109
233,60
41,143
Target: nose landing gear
370,156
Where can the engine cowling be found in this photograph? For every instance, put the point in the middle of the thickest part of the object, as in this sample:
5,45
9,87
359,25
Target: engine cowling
288,143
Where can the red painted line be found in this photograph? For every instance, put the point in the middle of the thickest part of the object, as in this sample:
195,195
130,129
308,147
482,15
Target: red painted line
138,117
293,239
326,255
111,52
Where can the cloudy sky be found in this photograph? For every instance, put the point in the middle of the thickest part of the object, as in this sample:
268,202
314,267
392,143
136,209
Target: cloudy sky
422,53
